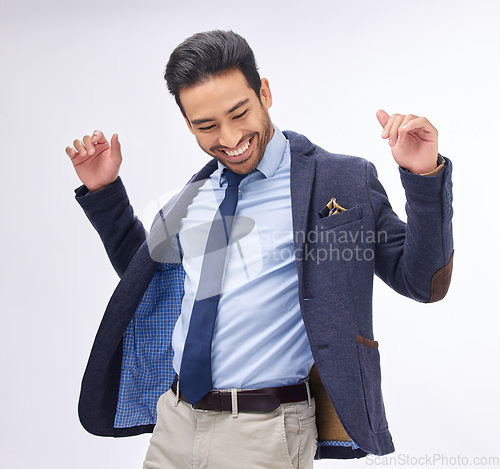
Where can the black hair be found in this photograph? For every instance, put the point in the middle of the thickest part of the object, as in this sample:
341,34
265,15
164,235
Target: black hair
209,54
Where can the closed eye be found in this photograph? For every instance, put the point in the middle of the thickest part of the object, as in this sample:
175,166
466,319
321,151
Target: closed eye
208,127
241,115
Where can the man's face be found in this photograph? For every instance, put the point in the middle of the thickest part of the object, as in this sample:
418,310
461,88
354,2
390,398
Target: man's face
228,120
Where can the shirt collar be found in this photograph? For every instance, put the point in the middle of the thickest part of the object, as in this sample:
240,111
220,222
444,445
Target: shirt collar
271,160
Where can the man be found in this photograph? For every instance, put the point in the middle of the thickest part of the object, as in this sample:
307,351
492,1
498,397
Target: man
264,264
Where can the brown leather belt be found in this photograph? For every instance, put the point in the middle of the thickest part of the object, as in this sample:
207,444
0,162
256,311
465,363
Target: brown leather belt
249,400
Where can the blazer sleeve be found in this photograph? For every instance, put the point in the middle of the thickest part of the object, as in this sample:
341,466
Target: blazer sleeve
415,258
111,214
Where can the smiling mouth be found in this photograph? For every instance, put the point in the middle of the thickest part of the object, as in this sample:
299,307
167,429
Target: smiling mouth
243,148
239,153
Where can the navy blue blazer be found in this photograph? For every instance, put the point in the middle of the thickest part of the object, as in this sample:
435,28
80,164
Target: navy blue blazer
335,292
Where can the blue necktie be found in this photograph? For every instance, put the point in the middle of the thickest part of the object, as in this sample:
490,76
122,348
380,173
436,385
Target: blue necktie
195,376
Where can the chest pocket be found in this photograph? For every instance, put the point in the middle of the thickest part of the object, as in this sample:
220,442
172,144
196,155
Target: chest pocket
340,218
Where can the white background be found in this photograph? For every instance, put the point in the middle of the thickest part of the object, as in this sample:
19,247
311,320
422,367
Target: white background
71,67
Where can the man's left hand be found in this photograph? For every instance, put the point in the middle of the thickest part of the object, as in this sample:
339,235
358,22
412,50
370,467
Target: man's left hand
413,141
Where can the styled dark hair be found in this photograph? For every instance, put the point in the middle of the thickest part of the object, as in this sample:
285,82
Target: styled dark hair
209,54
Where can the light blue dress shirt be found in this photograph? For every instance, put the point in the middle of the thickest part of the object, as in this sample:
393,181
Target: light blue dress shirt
259,337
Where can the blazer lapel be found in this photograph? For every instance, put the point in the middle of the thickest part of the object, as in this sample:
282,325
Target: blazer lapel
302,170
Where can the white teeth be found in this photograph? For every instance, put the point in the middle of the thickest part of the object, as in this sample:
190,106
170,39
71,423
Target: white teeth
240,151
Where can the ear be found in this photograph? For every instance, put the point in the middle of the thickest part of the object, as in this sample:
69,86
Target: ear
266,97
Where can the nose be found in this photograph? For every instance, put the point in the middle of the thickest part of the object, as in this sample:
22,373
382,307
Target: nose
229,137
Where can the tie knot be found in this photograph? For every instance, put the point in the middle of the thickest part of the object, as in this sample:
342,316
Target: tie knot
233,179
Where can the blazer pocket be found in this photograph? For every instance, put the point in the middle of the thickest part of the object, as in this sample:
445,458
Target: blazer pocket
340,218
369,361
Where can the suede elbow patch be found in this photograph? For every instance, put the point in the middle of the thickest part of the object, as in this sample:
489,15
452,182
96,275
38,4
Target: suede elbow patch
441,281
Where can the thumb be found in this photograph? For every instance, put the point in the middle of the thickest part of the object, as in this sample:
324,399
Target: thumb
116,153
382,117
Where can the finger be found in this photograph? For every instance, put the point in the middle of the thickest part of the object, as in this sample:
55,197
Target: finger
71,152
422,128
87,141
80,148
98,136
388,126
382,117
116,153
393,133
420,123
402,131
89,144
75,157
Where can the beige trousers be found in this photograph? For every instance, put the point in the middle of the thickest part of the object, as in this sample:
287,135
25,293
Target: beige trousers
196,439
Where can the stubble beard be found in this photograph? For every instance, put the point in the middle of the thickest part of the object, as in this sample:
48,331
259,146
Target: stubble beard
260,148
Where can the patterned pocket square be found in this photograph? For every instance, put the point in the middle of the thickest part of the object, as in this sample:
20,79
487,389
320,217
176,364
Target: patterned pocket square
331,208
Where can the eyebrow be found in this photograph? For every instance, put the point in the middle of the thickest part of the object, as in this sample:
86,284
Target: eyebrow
236,106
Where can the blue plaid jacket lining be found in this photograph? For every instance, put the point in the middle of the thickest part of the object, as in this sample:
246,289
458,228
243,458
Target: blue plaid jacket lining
147,352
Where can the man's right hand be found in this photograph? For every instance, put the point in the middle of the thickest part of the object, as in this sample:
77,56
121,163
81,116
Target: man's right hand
96,160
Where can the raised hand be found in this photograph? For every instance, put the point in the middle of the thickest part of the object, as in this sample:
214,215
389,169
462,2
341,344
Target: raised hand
96,161
413,141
